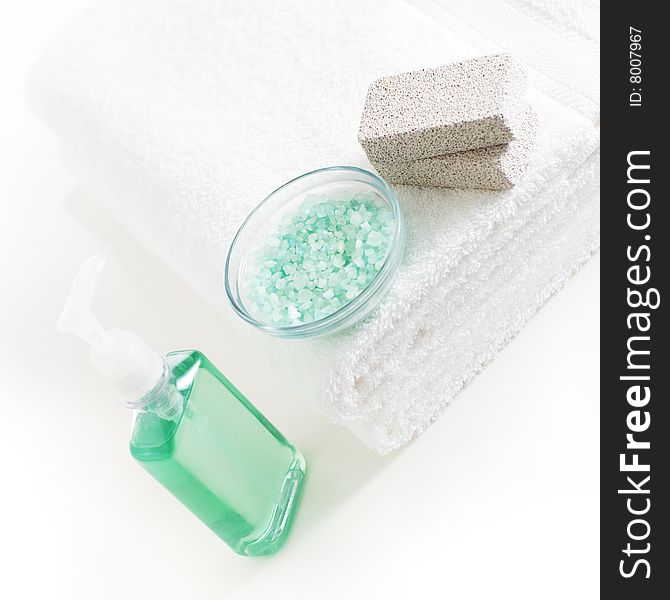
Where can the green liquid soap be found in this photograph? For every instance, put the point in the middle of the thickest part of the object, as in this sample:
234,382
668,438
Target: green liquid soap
193,431
219,456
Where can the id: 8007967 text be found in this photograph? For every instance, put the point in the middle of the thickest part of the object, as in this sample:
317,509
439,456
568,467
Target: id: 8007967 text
635,66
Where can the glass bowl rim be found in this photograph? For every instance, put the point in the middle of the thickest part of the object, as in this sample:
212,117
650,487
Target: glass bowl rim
346,312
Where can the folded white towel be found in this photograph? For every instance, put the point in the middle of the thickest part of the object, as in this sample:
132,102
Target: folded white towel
475,271
186,118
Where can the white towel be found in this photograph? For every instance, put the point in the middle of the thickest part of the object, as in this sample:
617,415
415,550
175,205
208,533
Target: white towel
184,118
559,41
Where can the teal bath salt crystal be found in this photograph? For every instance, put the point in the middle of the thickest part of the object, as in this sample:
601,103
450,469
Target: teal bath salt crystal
320,257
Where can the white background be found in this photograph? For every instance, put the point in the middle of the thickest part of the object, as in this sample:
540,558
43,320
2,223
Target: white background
498,499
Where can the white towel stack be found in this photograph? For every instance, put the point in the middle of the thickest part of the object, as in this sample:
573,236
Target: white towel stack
188,115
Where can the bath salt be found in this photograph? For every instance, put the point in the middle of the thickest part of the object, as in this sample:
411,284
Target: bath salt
319,258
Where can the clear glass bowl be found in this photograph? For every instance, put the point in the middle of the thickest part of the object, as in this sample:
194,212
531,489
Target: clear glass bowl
264,221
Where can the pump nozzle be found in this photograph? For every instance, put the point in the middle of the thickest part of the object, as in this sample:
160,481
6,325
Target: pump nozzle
121,357
77,317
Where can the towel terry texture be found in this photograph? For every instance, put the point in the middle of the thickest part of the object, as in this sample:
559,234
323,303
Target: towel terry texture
183,116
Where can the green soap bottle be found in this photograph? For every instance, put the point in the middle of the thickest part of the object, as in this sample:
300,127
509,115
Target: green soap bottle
194,432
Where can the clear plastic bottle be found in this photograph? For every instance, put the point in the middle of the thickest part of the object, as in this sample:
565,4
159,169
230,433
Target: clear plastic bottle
194,432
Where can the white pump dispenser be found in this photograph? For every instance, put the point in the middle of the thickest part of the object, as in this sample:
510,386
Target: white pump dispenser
123,358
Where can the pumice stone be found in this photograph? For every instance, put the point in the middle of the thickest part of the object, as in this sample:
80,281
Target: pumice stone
494,168
462,106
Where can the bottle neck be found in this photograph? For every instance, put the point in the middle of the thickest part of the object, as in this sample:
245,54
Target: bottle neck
164,399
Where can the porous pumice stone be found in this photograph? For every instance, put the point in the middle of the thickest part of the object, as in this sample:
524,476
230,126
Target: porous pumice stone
319,258
495,168
456,107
